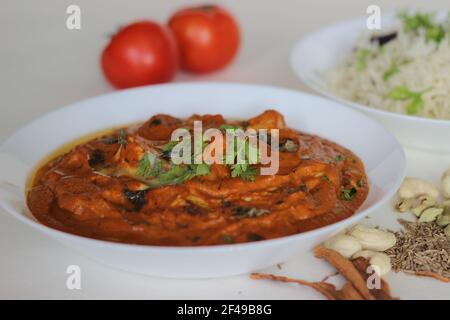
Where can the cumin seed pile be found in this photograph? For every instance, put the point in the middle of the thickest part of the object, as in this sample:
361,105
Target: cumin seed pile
421,247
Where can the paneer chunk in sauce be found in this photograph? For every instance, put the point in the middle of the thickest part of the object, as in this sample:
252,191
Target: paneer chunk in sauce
96,189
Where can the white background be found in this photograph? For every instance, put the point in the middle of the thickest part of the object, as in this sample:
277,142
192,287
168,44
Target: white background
44,66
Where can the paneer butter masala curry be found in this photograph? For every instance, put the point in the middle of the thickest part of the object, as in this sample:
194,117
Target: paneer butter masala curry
122,186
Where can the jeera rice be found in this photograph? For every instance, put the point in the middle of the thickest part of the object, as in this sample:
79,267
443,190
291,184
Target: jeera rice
404,70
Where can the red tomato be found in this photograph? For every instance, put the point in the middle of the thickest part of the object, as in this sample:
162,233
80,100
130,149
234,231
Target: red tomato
142,53
207,37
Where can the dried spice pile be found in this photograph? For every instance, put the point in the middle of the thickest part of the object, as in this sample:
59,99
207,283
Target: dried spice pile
422,249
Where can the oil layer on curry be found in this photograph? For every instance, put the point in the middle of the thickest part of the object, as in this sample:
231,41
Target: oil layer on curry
123,187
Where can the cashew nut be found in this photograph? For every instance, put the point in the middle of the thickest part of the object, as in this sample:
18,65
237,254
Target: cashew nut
382,261
344,244
413,188
366,254
445,184
427,201
405,205
379,259
371,238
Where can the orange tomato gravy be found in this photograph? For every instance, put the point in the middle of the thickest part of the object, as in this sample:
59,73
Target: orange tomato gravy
93,189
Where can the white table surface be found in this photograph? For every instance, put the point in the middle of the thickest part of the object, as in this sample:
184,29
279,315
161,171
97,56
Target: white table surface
44,66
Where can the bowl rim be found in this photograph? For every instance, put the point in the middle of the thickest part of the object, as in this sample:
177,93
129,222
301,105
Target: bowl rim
297,48
55,233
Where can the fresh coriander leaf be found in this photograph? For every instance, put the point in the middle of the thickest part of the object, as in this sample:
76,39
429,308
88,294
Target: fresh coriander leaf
179,174
339,158
229,127
348,194
400,93
416,101
415,106
149,166
202,169
360,183
250,174
393,69
416,21
433,31
244,171
169,146
166,150
252,153
361,59
241,149
122,137
436,34
238,169
175,175
199,147
244,154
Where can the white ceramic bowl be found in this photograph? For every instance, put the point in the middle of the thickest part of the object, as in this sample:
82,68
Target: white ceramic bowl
323,49
382,155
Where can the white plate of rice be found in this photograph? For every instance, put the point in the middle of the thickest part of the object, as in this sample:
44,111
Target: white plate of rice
404,82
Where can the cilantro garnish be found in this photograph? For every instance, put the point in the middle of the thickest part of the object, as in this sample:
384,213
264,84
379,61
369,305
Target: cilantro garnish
412,23
400,93
393,69
416,21
201,169
415,99
175,175
229,127
122,137
436,34
169,146
361,59
149,166
360,183
243,171
166,150
348,194
151,170
244,154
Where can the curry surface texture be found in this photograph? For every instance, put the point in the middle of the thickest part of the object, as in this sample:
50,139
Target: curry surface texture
123,187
